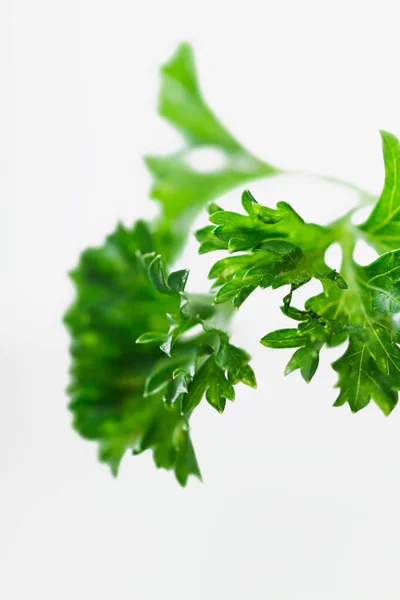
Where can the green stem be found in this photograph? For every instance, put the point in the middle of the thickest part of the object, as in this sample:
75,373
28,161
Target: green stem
366,197
347,235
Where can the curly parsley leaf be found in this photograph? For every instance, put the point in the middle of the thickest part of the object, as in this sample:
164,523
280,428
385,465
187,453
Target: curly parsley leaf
206,365
370,367
277,248
136,376
140,365
272,247
363,314
382,228
122,291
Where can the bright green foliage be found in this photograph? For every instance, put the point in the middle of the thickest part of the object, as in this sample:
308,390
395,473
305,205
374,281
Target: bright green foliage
182,190
274,247
204,365
370,367
281,249
145,352
382,228
116,302
363,314
130,396
127,395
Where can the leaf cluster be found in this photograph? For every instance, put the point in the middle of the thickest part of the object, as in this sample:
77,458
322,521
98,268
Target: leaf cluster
139,396
145,352
274,247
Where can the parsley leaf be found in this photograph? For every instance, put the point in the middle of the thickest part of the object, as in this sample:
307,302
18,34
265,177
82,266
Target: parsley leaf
206,365
370,368
118,394
363,315
272,247
382,228
181,189
281,249
117,300
126,392
145,352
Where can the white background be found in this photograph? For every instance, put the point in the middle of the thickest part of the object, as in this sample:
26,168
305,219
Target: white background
299,500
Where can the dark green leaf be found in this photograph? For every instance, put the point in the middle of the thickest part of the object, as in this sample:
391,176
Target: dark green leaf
177,280
116,304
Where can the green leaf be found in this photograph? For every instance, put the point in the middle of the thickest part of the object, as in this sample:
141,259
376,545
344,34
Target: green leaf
208,366
208,241
181,379
248,202
197,389
157,275
212,208
361,379
306,359
186,461
243,294
151,337
295,313
363,314
236,362
234,288
381,281
284,338
226,268
181,189
219,389
281,249
232,222
382,228
177,280
145,353
177,324
117,303
157,381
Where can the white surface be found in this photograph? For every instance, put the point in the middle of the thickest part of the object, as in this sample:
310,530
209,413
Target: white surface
300,500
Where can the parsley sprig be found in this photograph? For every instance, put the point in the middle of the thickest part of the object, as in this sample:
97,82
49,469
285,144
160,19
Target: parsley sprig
146,352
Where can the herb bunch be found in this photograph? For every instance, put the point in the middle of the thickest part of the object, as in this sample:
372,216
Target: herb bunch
145,352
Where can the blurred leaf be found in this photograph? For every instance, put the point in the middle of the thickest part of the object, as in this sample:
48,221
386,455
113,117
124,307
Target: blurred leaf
182,190
119,301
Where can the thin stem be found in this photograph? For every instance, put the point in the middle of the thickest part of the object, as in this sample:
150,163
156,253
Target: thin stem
366,197
347,238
